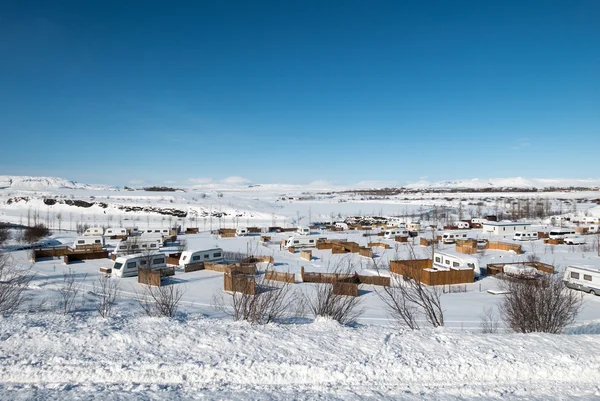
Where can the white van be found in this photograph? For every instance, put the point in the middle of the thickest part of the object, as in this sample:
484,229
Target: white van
392,233
138,244
450,237
303,230
574,240
525,236
87,242
127,266
94,231
560,233
207,255
113,232
462,224
446,260
583,278
241,231
301,242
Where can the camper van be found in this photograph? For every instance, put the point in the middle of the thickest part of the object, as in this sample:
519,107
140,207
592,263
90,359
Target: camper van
114,232
462,224
241,232
413,226
392,233
303,230
478,221
301,242
138,244
88,242
165,232
445,260
525,236
342,226
583,278
571,239
450,237
127,266
560,233
94,231
207,255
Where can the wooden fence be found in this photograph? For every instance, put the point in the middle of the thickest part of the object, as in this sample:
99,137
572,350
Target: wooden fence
469,246
425,241
313,277
258,259
239,283
399,238
422,270
496,268
349,289
244,268
149,277
79,256
193,267
374,280
191,230
378,245
306,255
504,246
280,276
366,252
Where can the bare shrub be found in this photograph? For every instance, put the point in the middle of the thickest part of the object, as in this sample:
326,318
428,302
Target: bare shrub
160,301
545,305
4,233
344,309
489,322
14,281
107,292
271,301
35,233
69,290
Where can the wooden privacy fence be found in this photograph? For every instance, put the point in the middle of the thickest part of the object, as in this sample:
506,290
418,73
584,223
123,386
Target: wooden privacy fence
504,246
279,276
378,245
496,268
314,277
191,230
239,283
425,241
306,255
349,289
73,254
243,268
399,238
173,258
423,271
193,267
366,252
259,259
149,277
79,256
469,246
374,280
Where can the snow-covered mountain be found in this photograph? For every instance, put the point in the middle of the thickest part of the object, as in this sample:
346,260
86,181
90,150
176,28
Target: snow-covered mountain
27,183
516,182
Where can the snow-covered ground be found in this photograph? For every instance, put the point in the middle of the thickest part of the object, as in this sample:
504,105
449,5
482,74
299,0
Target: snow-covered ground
203,354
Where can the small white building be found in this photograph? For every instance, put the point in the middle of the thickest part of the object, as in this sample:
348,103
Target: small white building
504,228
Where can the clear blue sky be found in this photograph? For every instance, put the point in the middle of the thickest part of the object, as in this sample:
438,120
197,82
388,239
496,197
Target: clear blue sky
297,91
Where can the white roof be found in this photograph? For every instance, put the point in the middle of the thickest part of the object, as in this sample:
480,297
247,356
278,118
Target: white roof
591,268
504,223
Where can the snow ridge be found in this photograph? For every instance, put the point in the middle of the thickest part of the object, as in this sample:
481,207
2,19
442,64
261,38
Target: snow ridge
29,183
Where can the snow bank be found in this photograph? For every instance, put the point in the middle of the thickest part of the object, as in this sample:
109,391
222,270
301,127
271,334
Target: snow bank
48,356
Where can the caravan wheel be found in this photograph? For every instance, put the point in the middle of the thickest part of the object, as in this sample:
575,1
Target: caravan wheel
592,292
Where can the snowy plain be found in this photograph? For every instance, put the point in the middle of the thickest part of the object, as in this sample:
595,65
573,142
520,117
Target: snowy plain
204,354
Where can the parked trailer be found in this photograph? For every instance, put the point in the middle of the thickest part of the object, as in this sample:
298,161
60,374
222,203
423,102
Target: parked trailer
94,231
462,224
392,233
241,232
206,255
301,242
113,232
583,278
560,233
525,236
165,232
303,230
86,242
450,237
138,244
574,240
446,260
127,266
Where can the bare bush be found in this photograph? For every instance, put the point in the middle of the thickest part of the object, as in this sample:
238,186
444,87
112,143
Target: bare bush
545,305
489,322
4,233
14,281
107,292
69,290
160,301
35,233
271,301
344,309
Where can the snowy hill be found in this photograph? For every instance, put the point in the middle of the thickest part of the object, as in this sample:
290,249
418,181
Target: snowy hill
27,183
517,182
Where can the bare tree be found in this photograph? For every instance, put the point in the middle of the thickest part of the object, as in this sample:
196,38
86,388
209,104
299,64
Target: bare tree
342,308
107,291
545,305
68,291
4,233
489,322
14,281
59,218
399,307
160,301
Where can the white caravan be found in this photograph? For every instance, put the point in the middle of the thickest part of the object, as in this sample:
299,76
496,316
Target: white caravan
462,224
303,230
86,242
301,242
594,229
165,232
446,260
138,244
525,236
392,233
343,226
478,221
112,232
207,255
574,239
132,230
413,226
94,231
450,237
127,266
560,233
583,278
241,231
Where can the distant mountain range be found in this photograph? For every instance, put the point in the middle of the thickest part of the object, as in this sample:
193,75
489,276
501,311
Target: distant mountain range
499,183
27,183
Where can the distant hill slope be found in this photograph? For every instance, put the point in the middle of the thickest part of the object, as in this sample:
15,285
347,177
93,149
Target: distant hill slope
28,183
517,182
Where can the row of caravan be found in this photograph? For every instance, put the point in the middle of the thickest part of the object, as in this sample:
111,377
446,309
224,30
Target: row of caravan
125,231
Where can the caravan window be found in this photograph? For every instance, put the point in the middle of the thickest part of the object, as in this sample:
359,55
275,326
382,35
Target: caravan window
575,275
122,246
152,245
158,261
455,264
296,242
135,246
217,255
471,265
437,259
184,257
206,256
195,258
311,241
131,265
81,241
97,241
587,277
143,262
448,262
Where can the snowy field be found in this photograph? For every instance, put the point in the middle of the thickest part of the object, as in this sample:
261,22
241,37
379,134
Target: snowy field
204,354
